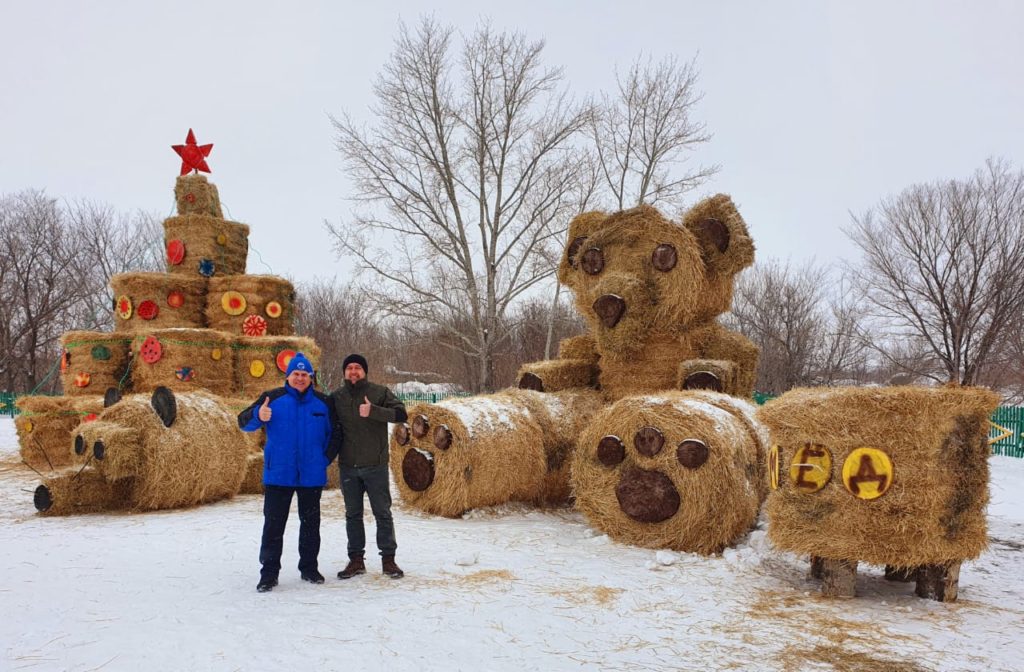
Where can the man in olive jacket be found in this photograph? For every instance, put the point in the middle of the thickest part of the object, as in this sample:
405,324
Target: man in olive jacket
364,410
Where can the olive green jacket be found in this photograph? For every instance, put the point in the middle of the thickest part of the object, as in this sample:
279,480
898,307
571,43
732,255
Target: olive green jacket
364,441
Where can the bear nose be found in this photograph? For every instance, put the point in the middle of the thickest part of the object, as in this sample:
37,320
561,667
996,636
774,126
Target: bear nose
610,309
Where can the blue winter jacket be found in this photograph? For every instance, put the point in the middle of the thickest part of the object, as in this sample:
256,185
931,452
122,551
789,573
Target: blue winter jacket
298,447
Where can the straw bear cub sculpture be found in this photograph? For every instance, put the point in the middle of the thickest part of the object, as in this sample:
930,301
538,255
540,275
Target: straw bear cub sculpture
611,421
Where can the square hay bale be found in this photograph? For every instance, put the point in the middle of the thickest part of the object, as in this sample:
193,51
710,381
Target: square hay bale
184,360
94,361
45,427
890,476
260,362
195,195
251,305
158,301
205,246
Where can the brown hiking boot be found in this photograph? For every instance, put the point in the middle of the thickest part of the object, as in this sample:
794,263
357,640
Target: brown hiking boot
354,567
390,568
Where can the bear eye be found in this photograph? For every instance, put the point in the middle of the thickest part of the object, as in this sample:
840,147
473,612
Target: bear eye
593,261
692,453
574,249
664,257
610,450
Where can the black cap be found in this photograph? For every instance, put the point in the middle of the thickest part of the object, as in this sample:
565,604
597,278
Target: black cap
357,359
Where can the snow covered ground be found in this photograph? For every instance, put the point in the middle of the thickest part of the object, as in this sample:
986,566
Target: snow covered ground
503,589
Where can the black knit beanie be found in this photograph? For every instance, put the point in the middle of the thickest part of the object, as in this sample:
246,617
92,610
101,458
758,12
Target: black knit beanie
357,359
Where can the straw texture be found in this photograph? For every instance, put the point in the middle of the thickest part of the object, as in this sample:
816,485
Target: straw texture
93,361
158,300
201,245
934,509
251,305
189,360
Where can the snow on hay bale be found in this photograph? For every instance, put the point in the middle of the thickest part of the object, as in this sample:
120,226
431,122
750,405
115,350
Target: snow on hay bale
183,360
470,452
93,361
892,476
157,451
251,305
260,362
44,427
158,300
677,470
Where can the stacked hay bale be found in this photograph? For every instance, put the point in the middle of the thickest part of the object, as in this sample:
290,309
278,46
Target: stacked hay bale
651,291
260,362
470,452
44,425
162,344
92,362
251,305
889,476
183,360
166,450
158,300
199,241
679,470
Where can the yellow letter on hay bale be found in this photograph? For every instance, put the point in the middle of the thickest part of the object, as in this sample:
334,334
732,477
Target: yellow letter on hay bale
651,291
470,452
679,470
891,476
156,451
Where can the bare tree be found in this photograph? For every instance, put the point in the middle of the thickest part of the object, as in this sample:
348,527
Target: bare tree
39,283
341,321
110,242
642,130
467,177
805,330
942,263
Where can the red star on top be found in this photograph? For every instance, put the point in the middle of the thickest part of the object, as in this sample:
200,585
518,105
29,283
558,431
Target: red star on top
193,156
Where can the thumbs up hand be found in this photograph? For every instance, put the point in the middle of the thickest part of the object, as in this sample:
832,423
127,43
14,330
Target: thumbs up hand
364,408
265,411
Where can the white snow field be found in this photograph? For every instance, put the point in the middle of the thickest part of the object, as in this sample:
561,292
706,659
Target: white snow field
501,589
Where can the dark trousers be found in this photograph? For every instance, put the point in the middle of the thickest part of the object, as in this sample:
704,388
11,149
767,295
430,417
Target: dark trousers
277,500
375,483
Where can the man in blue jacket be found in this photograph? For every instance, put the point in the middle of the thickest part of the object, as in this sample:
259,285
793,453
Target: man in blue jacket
299,423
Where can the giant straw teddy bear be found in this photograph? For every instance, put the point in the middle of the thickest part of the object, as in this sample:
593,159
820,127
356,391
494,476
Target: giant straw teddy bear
651,290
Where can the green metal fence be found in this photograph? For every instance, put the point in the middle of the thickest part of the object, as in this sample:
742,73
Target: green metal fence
430,397
7,400
1010,431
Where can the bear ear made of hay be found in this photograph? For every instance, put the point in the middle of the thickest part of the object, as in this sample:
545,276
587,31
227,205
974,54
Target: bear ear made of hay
111,397
580,228
165,405
722,234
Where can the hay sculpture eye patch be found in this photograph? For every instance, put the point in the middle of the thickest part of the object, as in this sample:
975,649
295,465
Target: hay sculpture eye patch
593,261
574,249
664,257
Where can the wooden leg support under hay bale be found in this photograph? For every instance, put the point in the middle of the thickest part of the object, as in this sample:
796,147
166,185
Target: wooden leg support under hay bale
838,577
939,582
815,572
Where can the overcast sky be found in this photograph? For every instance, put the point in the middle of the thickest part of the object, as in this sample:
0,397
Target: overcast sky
817,109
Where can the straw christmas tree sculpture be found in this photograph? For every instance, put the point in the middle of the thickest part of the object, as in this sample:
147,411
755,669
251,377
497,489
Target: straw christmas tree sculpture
204,335
651,290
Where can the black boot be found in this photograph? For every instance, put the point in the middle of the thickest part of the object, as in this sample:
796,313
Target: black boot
390,568
313,576
354,567
265,585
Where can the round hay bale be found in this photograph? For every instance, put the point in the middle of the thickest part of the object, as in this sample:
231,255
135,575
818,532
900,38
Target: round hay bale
94,361
251,305
468,452
464,453
44,428
202,245
177,449
675,470
890,476
81,491
184,360
260,362
195,195
158,300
